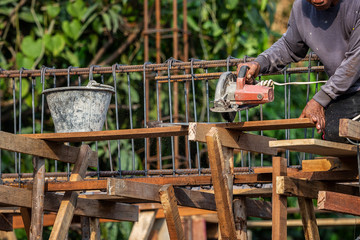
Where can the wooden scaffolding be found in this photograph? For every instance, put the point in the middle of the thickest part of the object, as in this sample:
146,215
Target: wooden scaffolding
142,199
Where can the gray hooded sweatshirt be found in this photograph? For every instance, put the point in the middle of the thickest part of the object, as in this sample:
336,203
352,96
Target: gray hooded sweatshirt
333,34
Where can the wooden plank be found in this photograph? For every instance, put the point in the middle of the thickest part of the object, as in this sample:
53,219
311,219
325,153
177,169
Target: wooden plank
279,202
168,201
316,146
198,228
289,186
26,218
37,201
233,139
220,184
338,176
338,202
41,148
6,222
240,218
94,229
112,134
350,129
141,229
327,164
146,191
264,125
68,203
258,208
85,228
85,207
308,218
321,222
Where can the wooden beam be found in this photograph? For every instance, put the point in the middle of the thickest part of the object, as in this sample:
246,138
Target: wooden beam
350,129
141,229
337,176
37,201
321,222
168,201
112,134
85,228
308,218
85,207
327,164
6,222
233,139
338,202
68,203
41,148
279,203
26,218
316,146
264,124
220,184
289,186
94,229
146,191
240,218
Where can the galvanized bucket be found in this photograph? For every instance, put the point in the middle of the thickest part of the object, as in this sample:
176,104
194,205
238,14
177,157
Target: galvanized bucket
79,109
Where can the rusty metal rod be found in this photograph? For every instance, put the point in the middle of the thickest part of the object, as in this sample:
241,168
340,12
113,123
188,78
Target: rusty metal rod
158,172
216,75
132,68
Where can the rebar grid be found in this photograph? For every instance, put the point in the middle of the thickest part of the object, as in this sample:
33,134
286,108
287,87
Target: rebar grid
135,154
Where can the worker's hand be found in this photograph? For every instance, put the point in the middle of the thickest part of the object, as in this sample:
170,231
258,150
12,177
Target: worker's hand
254,69
315,112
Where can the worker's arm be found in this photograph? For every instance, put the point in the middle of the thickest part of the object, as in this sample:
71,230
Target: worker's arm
347,74
289,48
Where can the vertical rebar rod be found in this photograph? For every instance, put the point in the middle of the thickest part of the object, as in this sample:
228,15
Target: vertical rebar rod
289,111
114,67
158,85
107,128
285,112
54,86
207,98
185,32
20,120
261,132
131,118
187,119
145,116
157,27
195,111
171,116
146,34
14,109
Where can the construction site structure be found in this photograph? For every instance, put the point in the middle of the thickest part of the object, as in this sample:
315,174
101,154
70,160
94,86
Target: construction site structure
233,171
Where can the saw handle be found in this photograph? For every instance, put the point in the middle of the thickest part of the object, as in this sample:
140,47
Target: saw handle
242,71
240,81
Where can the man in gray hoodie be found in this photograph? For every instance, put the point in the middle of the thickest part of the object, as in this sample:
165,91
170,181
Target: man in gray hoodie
330,28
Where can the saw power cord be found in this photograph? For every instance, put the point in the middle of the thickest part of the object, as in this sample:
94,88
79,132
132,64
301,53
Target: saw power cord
271,83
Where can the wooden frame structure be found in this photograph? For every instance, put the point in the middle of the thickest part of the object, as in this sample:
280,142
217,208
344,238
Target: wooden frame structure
122,199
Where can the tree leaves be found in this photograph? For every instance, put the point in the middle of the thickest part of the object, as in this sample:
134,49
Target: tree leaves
76,9
55,44
72,29
30,47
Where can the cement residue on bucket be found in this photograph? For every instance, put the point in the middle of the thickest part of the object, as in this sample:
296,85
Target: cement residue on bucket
79,109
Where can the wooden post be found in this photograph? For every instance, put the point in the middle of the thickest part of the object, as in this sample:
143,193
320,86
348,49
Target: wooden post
26,217
85,228
279,202
308,218
37,204
240,218
220,165
142,228
171,212
68,204
94,229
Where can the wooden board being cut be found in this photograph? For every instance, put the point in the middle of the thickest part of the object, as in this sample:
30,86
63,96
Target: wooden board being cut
316,146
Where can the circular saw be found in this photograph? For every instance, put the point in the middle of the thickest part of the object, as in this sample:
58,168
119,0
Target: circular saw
232,94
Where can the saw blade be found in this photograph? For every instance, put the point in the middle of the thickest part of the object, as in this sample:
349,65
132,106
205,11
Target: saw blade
228,116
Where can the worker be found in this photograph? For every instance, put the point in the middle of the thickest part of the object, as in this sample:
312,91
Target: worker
331,29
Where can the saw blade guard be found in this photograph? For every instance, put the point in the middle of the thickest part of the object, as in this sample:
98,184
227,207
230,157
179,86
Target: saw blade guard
224,93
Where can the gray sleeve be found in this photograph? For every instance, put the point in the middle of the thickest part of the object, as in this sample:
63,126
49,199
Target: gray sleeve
347,74
289,48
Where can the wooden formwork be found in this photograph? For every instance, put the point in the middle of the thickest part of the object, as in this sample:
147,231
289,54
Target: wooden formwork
145,199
